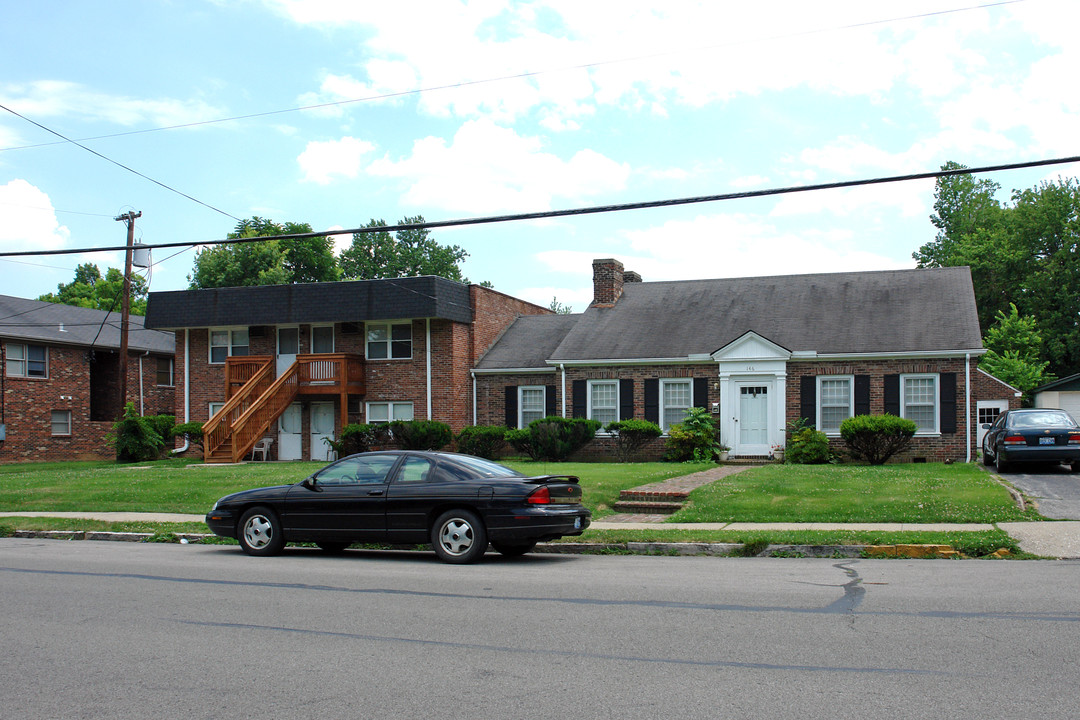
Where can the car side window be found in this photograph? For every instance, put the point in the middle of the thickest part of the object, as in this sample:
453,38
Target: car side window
374,469
340,473
415,470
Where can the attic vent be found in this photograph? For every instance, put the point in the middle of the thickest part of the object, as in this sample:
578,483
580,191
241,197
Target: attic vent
350,328
257,331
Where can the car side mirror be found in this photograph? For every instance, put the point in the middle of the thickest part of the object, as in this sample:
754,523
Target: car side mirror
986,426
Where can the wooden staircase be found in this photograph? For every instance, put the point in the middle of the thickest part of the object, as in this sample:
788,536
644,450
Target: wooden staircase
257,400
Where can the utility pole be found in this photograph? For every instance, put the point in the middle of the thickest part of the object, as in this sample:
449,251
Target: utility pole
125,307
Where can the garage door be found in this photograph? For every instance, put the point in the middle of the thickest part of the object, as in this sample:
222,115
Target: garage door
1070,402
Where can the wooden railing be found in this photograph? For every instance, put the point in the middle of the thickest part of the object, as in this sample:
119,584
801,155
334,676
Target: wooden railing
219,429
328,372
241,368
256,420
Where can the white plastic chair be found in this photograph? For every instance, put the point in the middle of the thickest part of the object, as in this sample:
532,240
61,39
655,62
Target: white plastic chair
262,447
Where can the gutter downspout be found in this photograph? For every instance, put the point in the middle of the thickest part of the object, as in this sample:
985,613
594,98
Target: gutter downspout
142,400
428,368
187,389
473,374
562,368
967,404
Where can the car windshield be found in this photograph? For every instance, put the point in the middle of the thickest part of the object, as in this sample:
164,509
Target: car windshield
1052,418
486,468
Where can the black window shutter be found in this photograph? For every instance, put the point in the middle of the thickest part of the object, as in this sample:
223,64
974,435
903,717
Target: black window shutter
701,393
947,418
580,407
626,399
652,400
892,394
511,406
808,399
549,400
862,394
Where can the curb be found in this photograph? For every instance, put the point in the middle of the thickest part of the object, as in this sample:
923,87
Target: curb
687,549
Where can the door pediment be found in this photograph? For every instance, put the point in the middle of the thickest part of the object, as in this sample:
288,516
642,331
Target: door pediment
751,346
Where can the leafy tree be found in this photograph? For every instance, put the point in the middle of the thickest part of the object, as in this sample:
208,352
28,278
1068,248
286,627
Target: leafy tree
406,253
90,290
273,262
1013,345
558,308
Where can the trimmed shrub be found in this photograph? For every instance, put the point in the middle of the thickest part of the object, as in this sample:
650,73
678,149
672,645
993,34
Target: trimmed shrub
355,438
631,435
876,438
484,441
135,438
190,431
553,438
696,438
808,446
420,434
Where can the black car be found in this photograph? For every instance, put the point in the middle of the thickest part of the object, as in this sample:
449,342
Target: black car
1032,435
458,503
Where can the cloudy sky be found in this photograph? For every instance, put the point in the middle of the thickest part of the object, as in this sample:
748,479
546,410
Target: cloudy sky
452,109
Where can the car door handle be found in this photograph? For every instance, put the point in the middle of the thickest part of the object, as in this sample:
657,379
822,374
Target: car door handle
378,491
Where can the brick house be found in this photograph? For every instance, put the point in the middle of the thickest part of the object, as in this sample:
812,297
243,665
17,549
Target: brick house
60,379
758,353
295,363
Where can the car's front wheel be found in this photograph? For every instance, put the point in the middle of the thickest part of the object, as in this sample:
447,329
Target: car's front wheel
260,532
999,461
986,458
513,550
459,536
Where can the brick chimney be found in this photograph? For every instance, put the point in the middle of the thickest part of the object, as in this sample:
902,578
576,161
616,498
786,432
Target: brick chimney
608,278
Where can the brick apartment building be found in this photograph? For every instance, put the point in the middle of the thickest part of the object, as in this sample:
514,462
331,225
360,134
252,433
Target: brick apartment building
295,363
758,353
60,379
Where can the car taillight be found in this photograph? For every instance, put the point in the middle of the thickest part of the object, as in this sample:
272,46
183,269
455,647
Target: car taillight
1015,440
539,496
1074,439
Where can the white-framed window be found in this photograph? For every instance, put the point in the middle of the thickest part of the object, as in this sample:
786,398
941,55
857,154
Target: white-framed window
226,342
836,402
919,401
215,407
384,412
676,399
389,341
322,339
29,361
604,401
532,404
164,374
61,422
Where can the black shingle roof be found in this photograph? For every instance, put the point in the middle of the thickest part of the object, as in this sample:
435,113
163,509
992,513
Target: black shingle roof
528,342
900,311
351,301
45,322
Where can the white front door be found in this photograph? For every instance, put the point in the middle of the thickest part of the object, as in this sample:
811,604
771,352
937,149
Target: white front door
752,419
290,434
288,345
987,412
322,427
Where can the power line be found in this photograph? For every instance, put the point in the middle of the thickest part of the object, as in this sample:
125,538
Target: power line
119,164
523,75
593,210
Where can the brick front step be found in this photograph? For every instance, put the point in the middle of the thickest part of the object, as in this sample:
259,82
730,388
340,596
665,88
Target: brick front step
653,495
650,508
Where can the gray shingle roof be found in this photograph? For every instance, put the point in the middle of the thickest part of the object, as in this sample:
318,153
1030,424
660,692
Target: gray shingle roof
44,322
350,301
528,342
900,311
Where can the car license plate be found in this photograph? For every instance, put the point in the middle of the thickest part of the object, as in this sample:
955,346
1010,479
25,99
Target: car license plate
1047,441
577,523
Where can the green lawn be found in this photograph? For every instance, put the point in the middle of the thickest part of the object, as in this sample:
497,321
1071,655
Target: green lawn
908,493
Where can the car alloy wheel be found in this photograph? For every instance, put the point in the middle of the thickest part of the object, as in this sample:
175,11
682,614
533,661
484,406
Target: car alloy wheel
458,536
260,532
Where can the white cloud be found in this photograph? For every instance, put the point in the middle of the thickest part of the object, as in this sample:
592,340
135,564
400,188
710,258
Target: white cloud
323,161
29,219
342,241
489,168
56,98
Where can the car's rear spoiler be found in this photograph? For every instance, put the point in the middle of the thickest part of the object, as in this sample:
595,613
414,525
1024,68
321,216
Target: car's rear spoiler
551,478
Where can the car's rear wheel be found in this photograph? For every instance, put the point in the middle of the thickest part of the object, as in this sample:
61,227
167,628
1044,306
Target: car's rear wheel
513,549
459,536
260,532
332,548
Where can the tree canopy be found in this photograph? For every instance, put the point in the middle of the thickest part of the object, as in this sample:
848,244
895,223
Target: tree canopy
272,262
406,253
1025,253
90,289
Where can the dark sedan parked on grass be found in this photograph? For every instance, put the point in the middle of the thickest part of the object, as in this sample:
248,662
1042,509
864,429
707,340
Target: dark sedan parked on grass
1032,435
458,503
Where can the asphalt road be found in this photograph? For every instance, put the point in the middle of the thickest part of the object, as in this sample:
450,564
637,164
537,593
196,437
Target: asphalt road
95,630
1054,487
